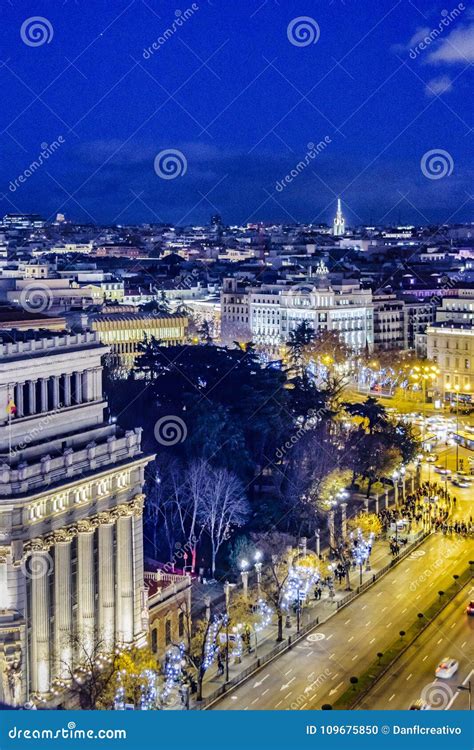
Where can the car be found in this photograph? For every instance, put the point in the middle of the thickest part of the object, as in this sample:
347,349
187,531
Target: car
441,470
447,668
460,482
431,458
420,705
470,609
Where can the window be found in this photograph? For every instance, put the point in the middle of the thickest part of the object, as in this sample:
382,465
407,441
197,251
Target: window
467,364
168,632
181,624
154,640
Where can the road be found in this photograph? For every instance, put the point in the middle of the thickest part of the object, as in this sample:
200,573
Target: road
412,677
317,670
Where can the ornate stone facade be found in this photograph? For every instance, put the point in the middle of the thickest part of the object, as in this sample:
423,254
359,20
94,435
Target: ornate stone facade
71,502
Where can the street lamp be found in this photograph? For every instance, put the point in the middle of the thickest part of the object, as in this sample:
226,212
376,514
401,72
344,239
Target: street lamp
395,477
258,569
244,572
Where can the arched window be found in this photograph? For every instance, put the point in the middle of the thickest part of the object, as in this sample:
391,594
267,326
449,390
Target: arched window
181,624
154,640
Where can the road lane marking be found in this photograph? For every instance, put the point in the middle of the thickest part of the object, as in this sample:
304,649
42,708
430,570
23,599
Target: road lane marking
425,657
391,697
287,696
310,676
265,692
438,642
370,642
368,623
279,702
463,644
256,699
355,657
329,636
364,607
335,676
388,624
410,676
347,621
260,682
453,625
384,609
379,594
404,610
334,690
351,639
290,670
332,655
303,706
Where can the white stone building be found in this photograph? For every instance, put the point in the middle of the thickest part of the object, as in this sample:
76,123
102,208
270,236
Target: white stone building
71,552
451,347
267,314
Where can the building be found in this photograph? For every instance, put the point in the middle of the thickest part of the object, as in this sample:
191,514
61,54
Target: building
71,551
269,313
124,332
339,223
389,322
169,608
451,347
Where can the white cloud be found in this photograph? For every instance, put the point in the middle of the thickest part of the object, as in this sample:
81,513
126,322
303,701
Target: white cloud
439,85
458,47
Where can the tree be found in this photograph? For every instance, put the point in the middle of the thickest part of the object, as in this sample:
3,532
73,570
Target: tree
368,523
222,507
159,304
275,572
372,414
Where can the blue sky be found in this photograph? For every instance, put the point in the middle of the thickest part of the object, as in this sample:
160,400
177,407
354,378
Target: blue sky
239,94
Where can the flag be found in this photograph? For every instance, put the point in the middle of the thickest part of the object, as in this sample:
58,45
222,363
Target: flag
11,408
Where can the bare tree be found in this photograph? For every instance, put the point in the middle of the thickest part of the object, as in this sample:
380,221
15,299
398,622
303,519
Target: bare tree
222,506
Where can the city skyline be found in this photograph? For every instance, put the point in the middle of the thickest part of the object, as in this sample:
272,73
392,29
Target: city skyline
276,137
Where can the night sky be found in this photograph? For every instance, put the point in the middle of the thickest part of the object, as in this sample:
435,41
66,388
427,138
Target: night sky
240,100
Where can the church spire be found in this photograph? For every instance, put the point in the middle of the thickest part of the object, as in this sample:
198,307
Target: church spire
339,221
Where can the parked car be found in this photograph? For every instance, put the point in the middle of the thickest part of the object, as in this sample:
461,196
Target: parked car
441,470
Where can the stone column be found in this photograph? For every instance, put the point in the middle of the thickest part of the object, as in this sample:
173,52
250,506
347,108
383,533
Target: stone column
106,581
19,401
4,597
140,610
98,383
32,395
67,390
78,386
63,640
85,586
38,570
124,601
44,394
55,391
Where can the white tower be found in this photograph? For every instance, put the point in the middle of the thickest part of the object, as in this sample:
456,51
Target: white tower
339,221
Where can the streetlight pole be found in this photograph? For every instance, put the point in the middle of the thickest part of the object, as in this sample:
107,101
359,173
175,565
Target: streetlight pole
258,570
456,388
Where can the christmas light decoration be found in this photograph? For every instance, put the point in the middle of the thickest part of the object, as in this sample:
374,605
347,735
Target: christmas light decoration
266,613
301,580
